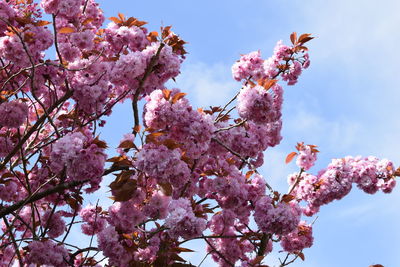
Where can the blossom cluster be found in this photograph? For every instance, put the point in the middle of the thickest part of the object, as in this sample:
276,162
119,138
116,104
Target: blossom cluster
252,66
188,172
333,183
298,239
80,157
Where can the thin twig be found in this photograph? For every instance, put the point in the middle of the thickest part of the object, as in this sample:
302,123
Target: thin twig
229,149
231,126
223,109
14,242
147,72
33,129
219,254
296,182
40,195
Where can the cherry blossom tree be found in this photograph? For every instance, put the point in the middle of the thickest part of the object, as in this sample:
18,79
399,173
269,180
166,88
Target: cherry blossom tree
181,174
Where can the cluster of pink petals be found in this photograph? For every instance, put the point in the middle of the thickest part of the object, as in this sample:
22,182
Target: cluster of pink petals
9,190
132,37
82,159
13,114
333,183
163,164
94,221
47,252
306,157
67,8
259,105
279,219
249,65
194,171
157,207
232,250
109,243
125,216
53,222
298,239
7,13
181,220
188,127
251,140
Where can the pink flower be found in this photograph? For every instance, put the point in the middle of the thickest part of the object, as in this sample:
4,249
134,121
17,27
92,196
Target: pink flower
94,221
279,219
47,253
299,239
13,114
181,220
53,222
306,157
249,65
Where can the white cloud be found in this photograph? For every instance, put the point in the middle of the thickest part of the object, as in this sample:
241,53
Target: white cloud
334,134
207,84
348,29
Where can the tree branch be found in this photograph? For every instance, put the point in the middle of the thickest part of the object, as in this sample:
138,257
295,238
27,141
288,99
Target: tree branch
147,72
33,129
40,195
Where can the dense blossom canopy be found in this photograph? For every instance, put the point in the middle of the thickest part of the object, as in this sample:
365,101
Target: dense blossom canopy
182,173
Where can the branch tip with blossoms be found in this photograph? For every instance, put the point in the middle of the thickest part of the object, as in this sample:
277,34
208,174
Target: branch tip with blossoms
193,170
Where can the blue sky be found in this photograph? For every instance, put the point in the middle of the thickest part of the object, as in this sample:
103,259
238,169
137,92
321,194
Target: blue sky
346,102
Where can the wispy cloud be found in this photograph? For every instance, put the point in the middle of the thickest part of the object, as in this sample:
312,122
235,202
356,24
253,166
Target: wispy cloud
207,84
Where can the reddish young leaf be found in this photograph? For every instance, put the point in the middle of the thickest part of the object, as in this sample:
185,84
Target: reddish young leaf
290,157
179,249
152,138
266,83
231,161
152,36
123,187
99,143
42,23
87,21
301,255
304,38
300,48
276,196
299,146
29,37
171,144
287,198
167,94
121,16
397,172
100,32
165,32
130,21
251,83
137,23
23,20
166,188
249,174
66,30
293,38
137,128
116,159
127,144
177,97
7,175
115,20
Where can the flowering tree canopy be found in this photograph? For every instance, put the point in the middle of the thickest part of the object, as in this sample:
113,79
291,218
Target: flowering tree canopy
181,174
